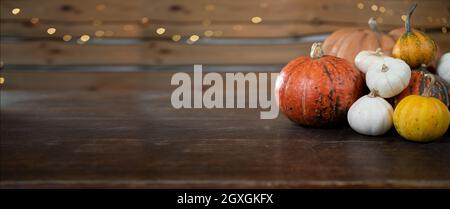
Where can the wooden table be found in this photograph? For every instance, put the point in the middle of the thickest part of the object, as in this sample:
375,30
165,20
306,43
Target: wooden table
110,130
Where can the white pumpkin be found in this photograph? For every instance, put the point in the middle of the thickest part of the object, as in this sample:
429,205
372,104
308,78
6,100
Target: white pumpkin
370,115
389,77
443,68
365,59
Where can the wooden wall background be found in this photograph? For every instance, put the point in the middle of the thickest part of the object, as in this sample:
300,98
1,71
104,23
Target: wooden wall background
123,32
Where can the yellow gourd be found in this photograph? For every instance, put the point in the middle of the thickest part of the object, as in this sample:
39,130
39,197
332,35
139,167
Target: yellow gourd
414,47
421,118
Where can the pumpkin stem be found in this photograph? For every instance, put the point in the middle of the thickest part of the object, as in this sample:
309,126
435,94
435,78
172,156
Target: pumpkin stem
373,25
373,93
427,92
316,50
384,68
408,17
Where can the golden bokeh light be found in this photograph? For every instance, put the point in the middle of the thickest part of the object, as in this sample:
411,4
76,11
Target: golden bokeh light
99,33
374,7
144,20
34,20
67,38
218,33
382,9
85,38
360,5
380,20
160,31
208,33
256,20
15,11
403,17
51,31
194,38
2,80
237,27
176,37
109,33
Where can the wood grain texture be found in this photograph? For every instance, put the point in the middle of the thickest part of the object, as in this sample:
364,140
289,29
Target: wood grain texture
110,130
159,52
151,52
280,18
224,10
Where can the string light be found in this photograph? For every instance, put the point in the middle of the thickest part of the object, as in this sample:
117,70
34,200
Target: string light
374,7
99,33
208,33
34,20
176,37
160,31
382,9
51,31
444,29
85,38
256,20
2,80
67,38
15,11
444,20
194,38
360,5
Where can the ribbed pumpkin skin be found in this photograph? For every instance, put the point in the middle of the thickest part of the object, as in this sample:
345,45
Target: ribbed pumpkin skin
418,84
347,43
415,48
421,119
318,91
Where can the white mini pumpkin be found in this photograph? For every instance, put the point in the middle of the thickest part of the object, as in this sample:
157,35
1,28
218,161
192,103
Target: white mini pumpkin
389,77
443,68
365,59
370,115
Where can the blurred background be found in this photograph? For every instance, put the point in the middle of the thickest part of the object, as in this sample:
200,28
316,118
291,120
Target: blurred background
111,35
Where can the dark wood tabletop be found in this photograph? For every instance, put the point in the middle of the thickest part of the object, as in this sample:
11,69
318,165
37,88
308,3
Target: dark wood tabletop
119,130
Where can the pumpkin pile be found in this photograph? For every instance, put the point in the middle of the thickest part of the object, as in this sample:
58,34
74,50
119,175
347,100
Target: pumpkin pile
320,90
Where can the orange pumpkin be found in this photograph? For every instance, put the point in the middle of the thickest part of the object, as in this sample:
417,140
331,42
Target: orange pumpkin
348,42
414,47
418,84
319,89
